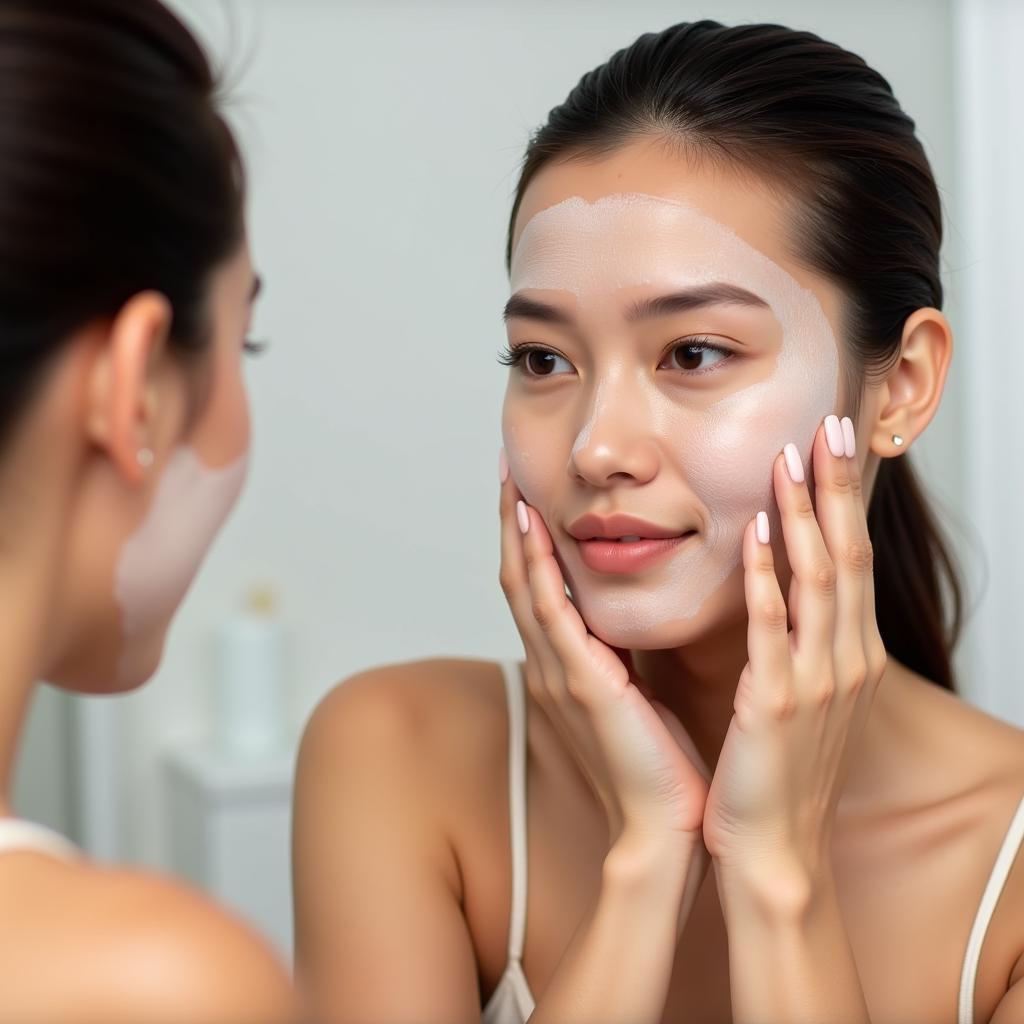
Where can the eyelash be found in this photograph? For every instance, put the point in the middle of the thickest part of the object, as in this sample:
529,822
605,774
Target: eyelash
255,348
514,356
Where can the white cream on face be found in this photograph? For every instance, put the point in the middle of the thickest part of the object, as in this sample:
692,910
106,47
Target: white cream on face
160,559
725,450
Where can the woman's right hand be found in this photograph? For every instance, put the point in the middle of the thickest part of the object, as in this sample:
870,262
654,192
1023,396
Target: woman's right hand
636,755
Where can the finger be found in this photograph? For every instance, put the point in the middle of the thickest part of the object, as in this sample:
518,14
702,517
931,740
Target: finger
626,657
768,646
516,587
684,740
837,493
812,602
869,623
874,647
583,657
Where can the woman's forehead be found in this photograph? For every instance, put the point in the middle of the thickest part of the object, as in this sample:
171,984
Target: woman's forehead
584,213
751,209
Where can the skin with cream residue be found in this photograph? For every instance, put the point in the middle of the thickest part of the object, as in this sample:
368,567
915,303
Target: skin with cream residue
158,562
714,434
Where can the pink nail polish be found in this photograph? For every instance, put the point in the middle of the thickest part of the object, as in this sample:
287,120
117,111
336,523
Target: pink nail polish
762,527
502,465
849,436
523,516
834,437
793,463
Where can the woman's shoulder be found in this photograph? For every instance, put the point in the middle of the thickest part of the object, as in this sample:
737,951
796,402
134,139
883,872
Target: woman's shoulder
400,767
982,758
80,941
420,706
423,737
973,749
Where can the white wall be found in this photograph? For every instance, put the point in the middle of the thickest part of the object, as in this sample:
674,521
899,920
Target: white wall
382,140
990,168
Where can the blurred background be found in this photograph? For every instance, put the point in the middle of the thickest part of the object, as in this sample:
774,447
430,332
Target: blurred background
382,139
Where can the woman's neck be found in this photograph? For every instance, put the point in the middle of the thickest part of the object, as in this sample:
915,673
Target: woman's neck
33,533
23,616
697,683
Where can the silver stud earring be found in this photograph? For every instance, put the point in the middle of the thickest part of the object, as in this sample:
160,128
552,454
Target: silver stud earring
145,457
897,440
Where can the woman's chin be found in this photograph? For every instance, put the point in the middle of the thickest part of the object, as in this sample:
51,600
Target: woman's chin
628,624
638,634
110,669
139,662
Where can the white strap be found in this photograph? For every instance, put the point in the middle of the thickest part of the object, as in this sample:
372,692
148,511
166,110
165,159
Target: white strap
17,835
516,697
996,881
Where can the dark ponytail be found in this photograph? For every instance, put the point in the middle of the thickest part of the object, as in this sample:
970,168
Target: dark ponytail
912,563
816,120
117,175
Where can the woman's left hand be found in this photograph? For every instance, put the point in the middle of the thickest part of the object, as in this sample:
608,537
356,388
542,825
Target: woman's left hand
806,691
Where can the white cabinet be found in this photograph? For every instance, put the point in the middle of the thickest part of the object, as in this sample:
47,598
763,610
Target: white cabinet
230,834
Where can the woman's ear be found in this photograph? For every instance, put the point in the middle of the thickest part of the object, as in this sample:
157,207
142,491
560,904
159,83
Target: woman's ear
122,396
910,393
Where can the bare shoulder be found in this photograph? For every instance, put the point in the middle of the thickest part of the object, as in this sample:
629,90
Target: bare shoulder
986,755
416,708
392,769
83,943
989,752
422,739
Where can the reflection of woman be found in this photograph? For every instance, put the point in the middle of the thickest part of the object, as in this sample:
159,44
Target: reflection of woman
724,336
125,295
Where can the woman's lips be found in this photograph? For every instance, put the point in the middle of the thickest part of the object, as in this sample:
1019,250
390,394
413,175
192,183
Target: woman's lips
620,557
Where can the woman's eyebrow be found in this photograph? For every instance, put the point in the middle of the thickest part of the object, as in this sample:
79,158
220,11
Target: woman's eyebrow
532,309
716,293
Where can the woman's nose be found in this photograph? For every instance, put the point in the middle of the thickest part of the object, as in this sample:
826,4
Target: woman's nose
614,445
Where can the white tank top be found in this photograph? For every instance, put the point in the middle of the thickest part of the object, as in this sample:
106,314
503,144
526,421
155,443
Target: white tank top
17,835
512,1002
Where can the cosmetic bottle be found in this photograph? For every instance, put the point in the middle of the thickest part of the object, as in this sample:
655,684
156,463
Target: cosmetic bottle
249,683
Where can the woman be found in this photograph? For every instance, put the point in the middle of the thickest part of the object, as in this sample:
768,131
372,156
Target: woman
126,290
724,336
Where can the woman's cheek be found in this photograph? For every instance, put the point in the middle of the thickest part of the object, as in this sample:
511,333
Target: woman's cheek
527,465
730,465
224,430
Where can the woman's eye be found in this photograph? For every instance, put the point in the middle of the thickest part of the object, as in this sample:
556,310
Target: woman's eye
693,356
537,362
254,348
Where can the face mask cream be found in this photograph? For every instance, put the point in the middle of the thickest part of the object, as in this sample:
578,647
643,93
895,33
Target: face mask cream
720,449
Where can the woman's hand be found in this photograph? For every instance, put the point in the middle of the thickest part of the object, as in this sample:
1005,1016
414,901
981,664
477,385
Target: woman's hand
636,755
805,693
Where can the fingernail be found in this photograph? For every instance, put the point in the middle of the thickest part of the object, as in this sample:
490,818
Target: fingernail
793,463
834,436
762,527
502,465
523,516
850,437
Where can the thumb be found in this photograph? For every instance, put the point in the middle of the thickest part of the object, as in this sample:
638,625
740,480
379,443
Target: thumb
682,738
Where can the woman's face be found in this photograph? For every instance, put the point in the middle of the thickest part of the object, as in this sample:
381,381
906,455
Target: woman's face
142,548
617,422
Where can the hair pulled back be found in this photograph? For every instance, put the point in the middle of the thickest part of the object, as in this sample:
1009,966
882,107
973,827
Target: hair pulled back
117,175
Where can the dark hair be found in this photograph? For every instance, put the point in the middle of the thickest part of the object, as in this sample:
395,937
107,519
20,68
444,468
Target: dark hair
117,175
814,119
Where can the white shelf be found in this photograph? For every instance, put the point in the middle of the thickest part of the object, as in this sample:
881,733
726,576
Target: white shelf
230,833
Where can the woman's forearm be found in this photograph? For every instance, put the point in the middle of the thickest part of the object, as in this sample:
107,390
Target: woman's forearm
618,965
790,960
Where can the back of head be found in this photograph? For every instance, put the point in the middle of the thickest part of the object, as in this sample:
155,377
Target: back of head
117,175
